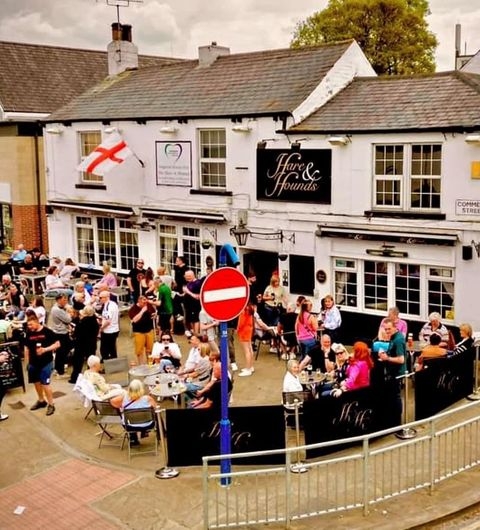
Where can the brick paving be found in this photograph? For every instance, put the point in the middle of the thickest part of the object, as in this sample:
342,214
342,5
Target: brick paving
61,497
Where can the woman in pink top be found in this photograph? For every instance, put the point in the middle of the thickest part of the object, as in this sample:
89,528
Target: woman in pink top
358,370
306,327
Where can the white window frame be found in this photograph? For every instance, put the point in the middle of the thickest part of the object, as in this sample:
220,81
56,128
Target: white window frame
221,176
428,274
407,176
184,241
84,149
123,261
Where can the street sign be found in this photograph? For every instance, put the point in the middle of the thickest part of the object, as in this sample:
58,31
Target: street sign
224,294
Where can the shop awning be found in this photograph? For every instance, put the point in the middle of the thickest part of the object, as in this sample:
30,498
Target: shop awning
388,235
96,207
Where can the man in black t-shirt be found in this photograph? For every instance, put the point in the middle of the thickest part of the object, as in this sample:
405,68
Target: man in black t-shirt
40,343
133,279
141,316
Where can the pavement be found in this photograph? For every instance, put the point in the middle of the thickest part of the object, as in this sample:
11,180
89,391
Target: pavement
55,476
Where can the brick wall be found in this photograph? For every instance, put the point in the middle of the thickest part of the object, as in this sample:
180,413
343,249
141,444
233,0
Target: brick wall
26,229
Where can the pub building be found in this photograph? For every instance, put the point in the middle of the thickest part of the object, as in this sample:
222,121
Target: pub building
345,183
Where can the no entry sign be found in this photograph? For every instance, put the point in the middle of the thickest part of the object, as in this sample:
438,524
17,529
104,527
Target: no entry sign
224,294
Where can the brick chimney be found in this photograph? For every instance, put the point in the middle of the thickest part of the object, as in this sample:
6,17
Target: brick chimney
207,55
122,53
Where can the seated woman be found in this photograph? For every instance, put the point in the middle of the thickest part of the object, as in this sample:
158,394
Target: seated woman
200,376
466,342
108,280
291,382
68,270
134,398
210,395
39,308
431,351
358,370
103,389
167,353
53,284
339,373
434,325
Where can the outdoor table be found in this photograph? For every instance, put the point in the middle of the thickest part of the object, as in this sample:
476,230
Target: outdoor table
169,386
143,370
312,381
34,280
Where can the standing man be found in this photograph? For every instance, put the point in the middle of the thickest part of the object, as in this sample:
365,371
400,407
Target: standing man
40,343
109,326
61,318
165,305
133,279
191,302
141,316
394,364
180,268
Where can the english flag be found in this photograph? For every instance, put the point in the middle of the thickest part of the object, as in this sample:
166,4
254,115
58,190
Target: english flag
109,154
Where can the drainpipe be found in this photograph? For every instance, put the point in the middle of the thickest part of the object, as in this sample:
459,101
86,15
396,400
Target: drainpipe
37,185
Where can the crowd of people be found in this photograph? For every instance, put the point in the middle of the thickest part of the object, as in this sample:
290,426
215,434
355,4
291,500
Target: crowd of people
86,314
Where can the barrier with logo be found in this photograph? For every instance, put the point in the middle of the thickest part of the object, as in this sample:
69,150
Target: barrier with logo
192,434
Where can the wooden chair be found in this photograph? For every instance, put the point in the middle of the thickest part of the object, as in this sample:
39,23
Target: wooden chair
116,370
142,420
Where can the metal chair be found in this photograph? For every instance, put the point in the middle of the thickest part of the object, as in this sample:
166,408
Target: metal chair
107,415
142,420
116,370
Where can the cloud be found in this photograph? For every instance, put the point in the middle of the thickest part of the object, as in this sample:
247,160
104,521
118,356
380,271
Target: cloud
178,27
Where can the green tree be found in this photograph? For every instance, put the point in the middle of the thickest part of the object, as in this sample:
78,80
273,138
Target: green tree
393,34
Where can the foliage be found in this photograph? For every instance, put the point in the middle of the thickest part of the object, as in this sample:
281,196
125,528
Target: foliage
393,34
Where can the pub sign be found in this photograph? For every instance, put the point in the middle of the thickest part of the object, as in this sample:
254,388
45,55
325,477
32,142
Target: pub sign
294,176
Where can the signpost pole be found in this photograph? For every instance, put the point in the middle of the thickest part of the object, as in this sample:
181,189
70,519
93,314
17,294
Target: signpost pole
225,431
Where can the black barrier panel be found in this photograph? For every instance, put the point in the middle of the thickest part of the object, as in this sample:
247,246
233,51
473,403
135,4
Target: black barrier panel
11,371
352,414
192,434
442,383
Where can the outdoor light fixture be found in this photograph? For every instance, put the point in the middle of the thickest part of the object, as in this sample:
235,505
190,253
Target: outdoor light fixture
387,251
473,138
110,130
241,128
168,129
54,130
295,146
241,233
338,140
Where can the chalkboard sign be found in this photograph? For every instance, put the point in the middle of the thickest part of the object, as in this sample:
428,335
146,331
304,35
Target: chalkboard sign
11,370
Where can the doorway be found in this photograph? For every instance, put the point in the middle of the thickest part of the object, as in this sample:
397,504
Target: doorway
262,264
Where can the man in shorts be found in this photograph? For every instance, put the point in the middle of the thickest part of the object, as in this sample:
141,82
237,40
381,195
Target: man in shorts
40,343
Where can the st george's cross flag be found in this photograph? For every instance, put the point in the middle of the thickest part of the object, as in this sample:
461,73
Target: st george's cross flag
109,154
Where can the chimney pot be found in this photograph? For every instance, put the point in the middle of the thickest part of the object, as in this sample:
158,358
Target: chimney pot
116,31
127,32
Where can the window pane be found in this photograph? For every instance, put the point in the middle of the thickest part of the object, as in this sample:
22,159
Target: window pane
426,193
213,174
168,246
106,240
388,193
128,247
213,152
407,288
346,288
375,285
441,291
85,242
389,160
89,140
191,248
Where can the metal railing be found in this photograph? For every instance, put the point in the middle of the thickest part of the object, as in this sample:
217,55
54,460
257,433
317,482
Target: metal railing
377,468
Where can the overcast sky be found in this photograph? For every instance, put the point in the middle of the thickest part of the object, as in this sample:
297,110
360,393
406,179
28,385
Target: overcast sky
178,27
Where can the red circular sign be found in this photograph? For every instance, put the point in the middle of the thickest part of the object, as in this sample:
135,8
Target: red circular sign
224,294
